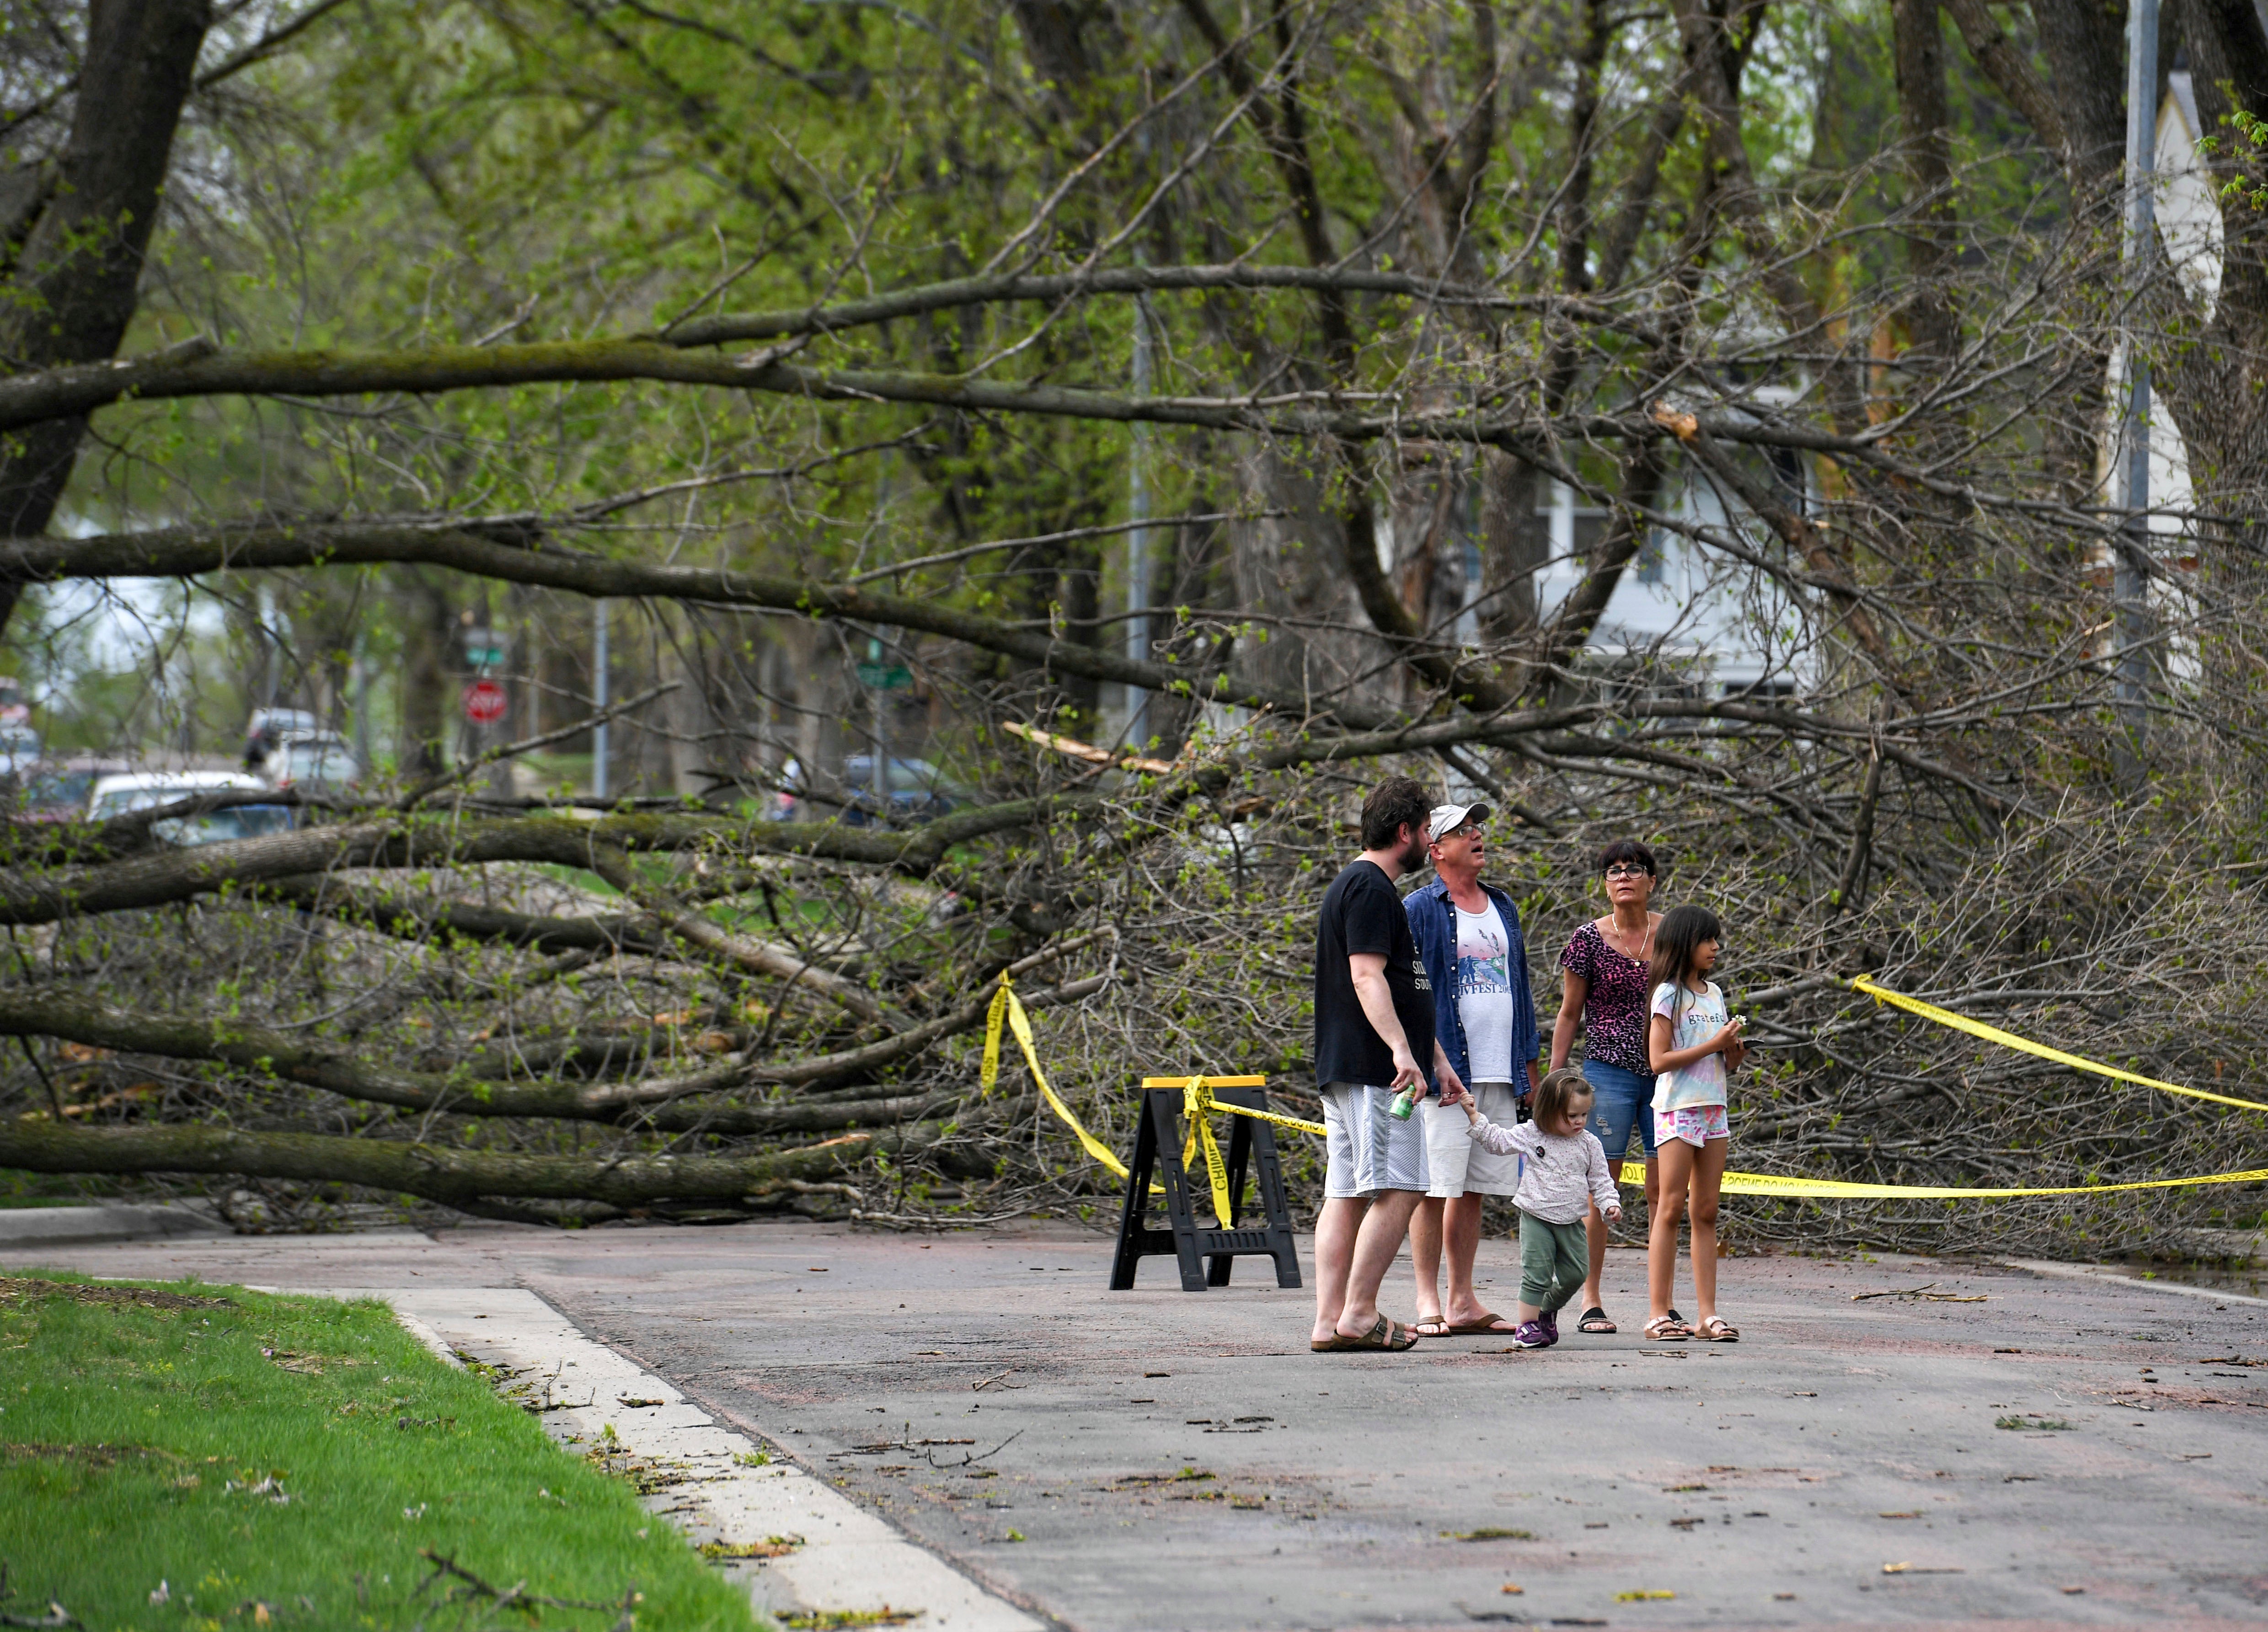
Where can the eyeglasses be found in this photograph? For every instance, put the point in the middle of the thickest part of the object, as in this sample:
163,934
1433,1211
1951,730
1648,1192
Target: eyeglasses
1627,869
1470,830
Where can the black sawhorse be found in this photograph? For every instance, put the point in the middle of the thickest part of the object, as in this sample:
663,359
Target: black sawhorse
1158,1153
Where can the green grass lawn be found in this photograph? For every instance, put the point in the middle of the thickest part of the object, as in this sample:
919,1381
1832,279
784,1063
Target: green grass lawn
249,1460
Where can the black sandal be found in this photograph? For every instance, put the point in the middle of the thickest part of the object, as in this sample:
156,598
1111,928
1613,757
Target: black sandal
1594,1320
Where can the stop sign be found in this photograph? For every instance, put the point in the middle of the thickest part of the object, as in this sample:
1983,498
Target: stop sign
486,702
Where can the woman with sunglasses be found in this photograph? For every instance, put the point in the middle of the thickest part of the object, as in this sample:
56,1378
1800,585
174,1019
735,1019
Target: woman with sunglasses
1604,989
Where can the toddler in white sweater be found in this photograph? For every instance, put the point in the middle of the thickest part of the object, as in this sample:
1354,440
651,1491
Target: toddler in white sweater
1565,1171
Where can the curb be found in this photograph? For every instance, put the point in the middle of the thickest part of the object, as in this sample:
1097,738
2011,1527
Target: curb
33,1227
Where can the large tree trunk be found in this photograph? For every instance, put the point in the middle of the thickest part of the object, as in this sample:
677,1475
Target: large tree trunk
77,279
2085,44
1289,565
438,1173
1920,53
1515,541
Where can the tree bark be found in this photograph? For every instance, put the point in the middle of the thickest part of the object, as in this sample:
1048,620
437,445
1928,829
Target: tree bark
2011,71
194,369
1919,40
77,279
31,895
2085,44
1515,543
294,1058
186,553
449,1175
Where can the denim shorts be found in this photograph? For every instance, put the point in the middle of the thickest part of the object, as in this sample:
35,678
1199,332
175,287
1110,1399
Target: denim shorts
1622,1102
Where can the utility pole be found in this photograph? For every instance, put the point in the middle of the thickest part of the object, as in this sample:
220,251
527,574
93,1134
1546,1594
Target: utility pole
1137,541
2129,577
598,698
358,667
878,694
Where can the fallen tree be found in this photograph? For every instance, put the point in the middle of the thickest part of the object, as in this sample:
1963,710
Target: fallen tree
452,1176
1428,431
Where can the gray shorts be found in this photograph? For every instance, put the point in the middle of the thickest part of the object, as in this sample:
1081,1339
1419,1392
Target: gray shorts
1369,1149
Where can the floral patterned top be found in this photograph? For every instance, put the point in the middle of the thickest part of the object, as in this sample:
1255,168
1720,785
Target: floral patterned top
1614,1008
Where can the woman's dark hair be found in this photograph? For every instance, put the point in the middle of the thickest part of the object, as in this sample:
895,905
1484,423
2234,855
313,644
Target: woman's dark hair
1394,802
1628,850
1558,1089
1681,929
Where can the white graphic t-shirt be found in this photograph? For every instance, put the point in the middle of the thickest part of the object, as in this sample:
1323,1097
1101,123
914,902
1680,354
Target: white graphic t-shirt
1694,1017
1483,992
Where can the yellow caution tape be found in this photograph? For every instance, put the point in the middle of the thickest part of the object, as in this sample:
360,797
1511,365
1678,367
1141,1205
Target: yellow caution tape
2025,1044
1828,1190
1198,1106
1008,1006
1774,1184
1197,1102
1297,1124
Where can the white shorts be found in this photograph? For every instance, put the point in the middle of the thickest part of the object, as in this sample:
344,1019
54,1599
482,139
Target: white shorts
1456,1163
1369,1149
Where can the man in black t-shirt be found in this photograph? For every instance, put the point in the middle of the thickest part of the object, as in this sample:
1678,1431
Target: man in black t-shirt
1374,1025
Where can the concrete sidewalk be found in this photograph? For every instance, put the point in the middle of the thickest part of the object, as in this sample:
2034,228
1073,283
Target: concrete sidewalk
1159,1460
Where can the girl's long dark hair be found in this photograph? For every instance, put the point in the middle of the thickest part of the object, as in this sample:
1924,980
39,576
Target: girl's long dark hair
1681,929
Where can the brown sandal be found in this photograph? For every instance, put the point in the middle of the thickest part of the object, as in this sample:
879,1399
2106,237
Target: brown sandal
1390,1335
1491,1325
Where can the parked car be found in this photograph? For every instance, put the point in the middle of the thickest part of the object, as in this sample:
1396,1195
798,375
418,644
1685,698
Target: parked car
60,790
919,792
916,790
19,749
141,790
311,757
268,727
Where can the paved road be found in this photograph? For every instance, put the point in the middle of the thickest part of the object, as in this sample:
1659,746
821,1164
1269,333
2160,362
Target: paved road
1157,1459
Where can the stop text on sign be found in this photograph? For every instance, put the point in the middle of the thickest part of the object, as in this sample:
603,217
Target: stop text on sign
486,702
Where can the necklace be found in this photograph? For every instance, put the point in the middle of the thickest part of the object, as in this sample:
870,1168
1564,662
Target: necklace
1615,929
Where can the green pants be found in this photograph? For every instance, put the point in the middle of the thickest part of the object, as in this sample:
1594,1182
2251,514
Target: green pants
1554,1260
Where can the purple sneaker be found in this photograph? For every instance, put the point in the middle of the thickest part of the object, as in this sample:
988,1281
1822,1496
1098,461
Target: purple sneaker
1550,1323
1531,1335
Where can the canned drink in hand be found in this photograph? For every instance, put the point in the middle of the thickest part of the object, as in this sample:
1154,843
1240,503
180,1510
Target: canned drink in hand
1404,1102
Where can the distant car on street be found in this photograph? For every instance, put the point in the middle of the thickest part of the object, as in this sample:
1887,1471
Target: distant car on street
60,789
267,730
919,791
316,757
141,791
19,749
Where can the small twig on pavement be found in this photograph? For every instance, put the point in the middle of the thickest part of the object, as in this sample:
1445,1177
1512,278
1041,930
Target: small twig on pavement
967,1460
1923,1294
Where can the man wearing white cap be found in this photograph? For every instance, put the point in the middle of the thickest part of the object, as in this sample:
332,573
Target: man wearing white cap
1484,1037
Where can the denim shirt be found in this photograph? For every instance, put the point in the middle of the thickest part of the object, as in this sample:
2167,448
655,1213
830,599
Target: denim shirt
1433,925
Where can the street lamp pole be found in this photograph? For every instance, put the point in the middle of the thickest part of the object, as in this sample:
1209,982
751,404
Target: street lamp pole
599,744
1137,541
2129,577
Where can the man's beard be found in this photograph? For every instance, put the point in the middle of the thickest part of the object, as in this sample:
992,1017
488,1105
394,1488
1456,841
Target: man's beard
1414,856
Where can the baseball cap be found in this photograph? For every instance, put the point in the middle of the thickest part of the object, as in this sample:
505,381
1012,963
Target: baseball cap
1449,817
